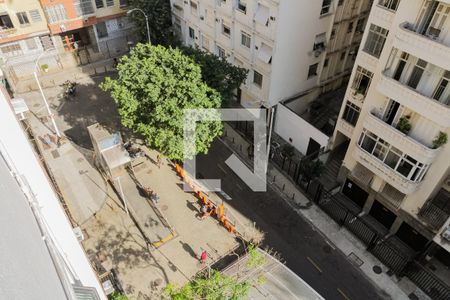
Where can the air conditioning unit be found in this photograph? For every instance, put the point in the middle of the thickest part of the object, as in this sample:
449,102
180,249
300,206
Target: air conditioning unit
78,233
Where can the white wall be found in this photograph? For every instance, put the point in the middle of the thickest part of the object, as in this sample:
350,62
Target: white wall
298,25
289,125
21,153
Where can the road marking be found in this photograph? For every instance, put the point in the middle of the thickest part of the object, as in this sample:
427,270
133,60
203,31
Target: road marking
223,170
314,264
343,294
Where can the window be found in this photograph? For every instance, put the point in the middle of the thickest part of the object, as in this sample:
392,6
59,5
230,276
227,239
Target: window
101,29
319,42
360,25
194,8
403,164
389,4
56,13
351,113
191,33
242,6
343,55
245,39
441,92
312,71
326,6
11,49
109,2
5,22
31,44
23,18
226,30
417,73
221,52
325,63
123,3
257,78
83,7
362,81
99,3
375,40
35,15
350,27
262,15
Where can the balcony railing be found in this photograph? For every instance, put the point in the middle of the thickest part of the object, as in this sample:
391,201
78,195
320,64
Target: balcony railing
5,32
433,216
402,184
425,47
420,151
409,97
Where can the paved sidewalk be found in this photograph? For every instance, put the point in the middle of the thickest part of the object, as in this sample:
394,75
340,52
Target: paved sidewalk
338,236
82,186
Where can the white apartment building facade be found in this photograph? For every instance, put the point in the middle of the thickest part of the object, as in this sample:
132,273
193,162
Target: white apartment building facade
290,47
395,118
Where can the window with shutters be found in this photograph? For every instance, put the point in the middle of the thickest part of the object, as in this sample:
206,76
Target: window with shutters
99,3
109,2
35,15
56,13
245,39
326,7
83,7
312,70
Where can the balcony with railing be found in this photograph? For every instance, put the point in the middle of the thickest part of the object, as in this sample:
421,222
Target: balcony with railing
419,150
426,44
418,100
436,211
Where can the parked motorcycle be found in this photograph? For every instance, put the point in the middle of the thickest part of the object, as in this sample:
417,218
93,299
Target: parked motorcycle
70,88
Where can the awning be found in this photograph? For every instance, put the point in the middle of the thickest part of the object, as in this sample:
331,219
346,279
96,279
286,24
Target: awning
265,53
262,14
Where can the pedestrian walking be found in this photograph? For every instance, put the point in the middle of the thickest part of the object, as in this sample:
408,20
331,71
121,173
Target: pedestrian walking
158,161
204,212
203,257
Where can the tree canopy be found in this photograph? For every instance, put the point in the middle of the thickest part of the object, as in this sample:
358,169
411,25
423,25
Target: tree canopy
159,19
155,86
217,72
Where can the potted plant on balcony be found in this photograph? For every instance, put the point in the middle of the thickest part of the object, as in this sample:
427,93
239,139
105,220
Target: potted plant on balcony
404,125
440,140
44,68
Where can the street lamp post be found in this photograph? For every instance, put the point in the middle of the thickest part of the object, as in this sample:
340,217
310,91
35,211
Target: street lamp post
58,134
146,21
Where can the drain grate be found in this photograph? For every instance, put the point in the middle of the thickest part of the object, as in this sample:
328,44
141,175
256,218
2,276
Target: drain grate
355,259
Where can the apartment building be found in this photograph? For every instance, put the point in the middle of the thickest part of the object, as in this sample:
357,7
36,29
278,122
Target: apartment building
70,32
91,29
23,33
393,126
41,256
293,49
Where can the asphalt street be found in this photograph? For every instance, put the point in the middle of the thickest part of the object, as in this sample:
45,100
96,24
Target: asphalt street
301,246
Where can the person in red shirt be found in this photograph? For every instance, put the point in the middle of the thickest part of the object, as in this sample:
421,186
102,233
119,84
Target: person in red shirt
203,257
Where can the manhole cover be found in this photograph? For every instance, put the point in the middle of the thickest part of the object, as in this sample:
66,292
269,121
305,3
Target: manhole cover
164,207
326,249
377,269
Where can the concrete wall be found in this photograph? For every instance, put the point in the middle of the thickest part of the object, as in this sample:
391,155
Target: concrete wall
286,120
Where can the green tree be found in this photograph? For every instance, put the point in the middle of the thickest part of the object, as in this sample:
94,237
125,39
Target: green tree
217,72
159,19
311,169
117,296
217,286
155,86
